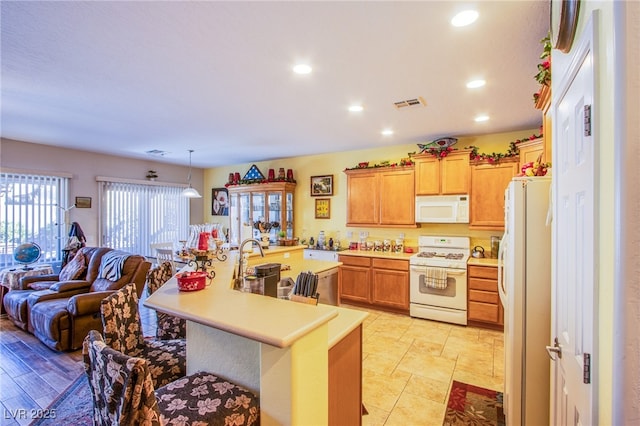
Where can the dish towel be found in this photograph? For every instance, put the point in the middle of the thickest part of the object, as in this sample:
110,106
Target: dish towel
436,278
111,265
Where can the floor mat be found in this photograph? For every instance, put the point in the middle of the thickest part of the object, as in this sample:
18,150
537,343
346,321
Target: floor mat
473,405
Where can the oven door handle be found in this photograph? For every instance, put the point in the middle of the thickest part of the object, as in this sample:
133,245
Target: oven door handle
421,269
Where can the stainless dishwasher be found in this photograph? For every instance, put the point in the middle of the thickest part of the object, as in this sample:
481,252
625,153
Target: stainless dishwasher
328,287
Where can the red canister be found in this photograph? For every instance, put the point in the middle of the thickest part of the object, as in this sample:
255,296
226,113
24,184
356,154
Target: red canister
203,241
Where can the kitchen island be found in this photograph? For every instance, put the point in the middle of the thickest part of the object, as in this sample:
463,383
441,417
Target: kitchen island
277,348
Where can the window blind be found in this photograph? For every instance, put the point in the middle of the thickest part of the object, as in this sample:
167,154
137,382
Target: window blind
33,208
134,216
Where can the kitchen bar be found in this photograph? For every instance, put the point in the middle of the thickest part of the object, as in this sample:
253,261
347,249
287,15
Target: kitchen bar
277,348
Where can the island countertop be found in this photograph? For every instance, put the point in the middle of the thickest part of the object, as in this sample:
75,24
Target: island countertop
264,319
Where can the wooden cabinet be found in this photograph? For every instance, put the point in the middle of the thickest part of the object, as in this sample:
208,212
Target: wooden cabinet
355,278
345,380
530,151
390,283
381,197
484,308
375,282
488,183
271,202
543,104
442,176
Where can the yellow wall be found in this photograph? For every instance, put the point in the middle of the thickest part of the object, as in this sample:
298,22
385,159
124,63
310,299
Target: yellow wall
306,225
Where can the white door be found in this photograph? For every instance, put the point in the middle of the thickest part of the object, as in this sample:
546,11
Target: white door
574,275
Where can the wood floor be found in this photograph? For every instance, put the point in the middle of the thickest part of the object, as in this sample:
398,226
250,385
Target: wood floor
32,375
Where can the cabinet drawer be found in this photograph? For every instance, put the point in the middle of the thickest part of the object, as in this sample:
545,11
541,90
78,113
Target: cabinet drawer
482,312
484,296
483,272
399,265
355,260
483,284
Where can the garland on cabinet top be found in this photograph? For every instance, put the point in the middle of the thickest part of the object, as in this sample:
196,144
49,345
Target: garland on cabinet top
495,157
403,162
544,68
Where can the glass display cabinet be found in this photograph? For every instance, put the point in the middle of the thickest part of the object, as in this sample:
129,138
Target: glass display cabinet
265,202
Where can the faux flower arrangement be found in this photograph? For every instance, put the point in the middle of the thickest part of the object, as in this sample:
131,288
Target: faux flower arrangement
495,157
544,68
440,151
535,168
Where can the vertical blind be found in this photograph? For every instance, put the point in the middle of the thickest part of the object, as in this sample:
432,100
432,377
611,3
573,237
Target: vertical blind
134,216
33,208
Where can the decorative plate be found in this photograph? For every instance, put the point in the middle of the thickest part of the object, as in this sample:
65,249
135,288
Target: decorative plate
438,143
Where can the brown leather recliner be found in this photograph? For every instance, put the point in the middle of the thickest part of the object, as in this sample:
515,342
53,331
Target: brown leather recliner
61,316
15,302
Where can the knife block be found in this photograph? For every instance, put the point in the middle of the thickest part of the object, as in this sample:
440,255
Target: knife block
303,299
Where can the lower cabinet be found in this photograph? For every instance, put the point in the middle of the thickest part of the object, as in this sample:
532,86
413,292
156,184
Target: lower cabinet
484,308
345,380
375,282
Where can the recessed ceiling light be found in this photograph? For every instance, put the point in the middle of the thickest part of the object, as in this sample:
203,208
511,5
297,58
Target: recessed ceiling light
302,69
481,118
387,132
356,108
474,84
464,18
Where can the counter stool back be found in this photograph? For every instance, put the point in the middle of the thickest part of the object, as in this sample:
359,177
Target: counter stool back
201,398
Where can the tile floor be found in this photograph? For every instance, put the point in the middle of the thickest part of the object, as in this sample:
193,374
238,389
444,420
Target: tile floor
409,365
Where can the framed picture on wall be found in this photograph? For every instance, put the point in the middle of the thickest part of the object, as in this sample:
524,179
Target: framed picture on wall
321,185
83,202
219,202
323,208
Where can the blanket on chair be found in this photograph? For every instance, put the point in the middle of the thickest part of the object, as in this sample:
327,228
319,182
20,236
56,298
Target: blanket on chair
111,265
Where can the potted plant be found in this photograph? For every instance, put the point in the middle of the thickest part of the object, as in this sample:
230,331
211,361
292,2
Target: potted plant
282,238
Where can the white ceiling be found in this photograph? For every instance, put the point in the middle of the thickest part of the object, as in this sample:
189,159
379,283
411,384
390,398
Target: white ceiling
128,77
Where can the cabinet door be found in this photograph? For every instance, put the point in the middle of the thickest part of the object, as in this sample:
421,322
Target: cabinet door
397,198
354,283
390,288
488,183
530,151
427,176
454,174
363,203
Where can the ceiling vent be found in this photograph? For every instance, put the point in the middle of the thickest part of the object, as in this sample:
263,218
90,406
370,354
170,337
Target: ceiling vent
410,103
157,152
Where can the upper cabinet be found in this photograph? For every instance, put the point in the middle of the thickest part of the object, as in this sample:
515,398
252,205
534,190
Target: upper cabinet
266,202
381,196
531,150
488,183
442,175
543,103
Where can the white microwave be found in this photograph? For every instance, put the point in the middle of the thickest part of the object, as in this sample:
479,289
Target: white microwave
442,209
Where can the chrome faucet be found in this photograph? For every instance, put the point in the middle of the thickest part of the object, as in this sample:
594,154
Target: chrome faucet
240,277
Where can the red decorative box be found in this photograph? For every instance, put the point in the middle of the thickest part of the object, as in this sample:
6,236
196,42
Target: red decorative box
191,281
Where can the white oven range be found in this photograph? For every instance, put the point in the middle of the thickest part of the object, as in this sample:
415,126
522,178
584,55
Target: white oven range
438,279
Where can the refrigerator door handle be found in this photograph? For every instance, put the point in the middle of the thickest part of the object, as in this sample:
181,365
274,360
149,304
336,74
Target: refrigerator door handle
501,281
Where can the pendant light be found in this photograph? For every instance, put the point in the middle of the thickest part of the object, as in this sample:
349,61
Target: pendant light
190,192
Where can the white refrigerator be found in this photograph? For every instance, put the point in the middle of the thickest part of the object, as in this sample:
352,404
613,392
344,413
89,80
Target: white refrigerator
524,285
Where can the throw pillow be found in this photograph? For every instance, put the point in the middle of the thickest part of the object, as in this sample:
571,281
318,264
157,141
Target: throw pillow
74,269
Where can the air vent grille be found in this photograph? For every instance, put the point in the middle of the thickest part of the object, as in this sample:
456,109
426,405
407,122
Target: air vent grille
410,103
157,152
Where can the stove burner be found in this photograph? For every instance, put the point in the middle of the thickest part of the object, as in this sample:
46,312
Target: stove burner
429,254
